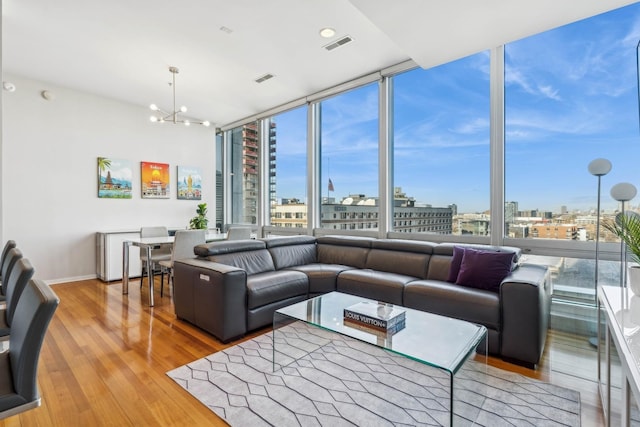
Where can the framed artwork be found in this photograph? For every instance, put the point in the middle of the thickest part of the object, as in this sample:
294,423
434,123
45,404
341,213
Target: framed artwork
114,178
154,180
189,183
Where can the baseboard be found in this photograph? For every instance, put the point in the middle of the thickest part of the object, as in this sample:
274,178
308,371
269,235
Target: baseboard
71,279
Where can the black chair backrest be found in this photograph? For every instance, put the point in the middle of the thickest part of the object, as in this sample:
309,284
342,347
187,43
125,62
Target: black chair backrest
12,256
5,252
19,276
31,321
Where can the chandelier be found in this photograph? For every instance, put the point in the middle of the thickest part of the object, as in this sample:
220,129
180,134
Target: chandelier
174,117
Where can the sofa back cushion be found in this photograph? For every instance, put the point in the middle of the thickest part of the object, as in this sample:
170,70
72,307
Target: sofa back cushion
292,251
249,255
405,263
253,262
344,250
407,257
227,246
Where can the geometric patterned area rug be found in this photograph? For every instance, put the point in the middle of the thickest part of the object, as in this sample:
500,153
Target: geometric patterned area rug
326,379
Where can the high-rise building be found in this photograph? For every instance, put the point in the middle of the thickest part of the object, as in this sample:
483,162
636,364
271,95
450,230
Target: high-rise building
245,172
272,164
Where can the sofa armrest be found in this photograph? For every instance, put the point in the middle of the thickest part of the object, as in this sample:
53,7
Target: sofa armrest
525,299
212,296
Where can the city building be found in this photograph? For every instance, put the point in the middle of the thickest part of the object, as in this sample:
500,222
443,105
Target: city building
555,231
359,212
245,179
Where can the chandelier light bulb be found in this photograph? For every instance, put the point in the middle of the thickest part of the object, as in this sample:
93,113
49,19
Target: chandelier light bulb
153,118
154,107
206,123
187,123
183,109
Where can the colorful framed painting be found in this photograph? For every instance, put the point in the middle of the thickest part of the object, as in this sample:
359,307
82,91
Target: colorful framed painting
114,178
154,179
189,183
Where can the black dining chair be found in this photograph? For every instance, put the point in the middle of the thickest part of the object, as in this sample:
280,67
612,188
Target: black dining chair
5,252
19,365
3,261
17,279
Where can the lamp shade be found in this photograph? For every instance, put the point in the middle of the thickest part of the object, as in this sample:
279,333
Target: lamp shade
599,167
623,192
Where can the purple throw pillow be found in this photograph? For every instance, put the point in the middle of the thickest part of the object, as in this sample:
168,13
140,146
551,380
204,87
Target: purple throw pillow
484,269
456,260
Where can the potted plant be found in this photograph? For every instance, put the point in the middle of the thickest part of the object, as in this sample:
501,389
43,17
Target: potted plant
627,228
200,221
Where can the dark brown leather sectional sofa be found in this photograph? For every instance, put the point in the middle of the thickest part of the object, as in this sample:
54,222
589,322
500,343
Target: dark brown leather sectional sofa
235,286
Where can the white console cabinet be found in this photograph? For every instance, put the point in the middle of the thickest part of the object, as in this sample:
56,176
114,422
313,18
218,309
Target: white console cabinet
109,254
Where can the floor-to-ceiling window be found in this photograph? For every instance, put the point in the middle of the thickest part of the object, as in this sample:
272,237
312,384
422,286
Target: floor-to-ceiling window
288,168
441,148
571,96
349,160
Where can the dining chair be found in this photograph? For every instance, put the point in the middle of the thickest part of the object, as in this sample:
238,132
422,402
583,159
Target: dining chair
183,245
13,255
3,260
158,253
238,233
17,279
19,364
5,252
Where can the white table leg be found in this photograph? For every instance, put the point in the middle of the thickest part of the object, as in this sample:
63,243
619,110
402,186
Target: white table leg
125,267
150,275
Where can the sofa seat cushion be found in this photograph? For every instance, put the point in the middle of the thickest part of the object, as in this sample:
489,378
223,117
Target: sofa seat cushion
451,300
373,284
266,288
322,277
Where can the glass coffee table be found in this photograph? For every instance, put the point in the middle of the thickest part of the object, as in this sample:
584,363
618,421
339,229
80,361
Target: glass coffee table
434,340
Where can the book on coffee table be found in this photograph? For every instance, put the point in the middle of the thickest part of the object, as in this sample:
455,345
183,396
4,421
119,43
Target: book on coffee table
380,333
377,315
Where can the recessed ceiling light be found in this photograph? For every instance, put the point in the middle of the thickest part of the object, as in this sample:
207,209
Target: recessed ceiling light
327,32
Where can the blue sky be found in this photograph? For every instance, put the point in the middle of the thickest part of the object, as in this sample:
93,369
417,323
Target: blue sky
571,96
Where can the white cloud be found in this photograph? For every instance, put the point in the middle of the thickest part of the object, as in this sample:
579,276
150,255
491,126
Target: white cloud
549,92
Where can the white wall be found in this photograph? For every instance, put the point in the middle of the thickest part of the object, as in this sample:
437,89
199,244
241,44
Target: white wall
50,205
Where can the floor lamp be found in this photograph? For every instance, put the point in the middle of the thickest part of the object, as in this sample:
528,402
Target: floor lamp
623,192
598,168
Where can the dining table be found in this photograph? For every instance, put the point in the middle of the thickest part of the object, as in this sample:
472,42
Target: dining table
147,244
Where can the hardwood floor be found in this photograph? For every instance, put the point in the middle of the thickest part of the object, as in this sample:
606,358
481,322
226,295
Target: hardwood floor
105,357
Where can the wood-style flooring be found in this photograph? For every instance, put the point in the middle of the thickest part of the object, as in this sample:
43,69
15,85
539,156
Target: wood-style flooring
104,361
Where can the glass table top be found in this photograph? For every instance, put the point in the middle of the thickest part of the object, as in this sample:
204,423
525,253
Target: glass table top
435,340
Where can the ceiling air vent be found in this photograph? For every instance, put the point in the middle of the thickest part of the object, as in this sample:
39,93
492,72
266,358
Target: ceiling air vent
338,43
265,77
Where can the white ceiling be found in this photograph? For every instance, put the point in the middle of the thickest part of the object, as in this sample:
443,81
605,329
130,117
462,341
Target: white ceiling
122,49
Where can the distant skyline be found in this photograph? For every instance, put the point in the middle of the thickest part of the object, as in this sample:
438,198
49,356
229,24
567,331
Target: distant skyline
571,95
